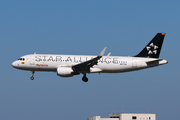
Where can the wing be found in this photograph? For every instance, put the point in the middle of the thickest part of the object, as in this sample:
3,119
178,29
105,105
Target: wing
85,66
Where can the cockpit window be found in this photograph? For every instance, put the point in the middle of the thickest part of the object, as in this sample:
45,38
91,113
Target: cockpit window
22,59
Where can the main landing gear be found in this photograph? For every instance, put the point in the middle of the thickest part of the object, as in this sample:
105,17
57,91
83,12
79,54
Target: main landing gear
32,77
84,78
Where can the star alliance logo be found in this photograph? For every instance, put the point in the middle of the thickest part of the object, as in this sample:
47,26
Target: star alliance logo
152,49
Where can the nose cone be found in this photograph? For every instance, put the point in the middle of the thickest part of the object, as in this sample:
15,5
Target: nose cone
14,64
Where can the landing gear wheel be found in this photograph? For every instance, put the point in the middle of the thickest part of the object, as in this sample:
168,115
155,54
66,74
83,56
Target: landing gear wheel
32,78
85,79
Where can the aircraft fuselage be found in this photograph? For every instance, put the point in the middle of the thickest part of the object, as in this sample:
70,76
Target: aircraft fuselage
69,65
107,64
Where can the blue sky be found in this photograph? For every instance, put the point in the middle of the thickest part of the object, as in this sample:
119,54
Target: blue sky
86,27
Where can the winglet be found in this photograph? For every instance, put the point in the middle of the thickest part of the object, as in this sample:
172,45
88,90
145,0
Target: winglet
102,52
109,54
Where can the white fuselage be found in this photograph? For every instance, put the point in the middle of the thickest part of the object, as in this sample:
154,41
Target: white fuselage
107,64
70,65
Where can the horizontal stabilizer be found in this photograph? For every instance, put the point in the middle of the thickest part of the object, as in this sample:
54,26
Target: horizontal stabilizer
153,61
156,62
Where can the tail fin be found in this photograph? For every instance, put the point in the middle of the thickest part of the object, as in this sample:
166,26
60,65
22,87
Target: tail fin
153,48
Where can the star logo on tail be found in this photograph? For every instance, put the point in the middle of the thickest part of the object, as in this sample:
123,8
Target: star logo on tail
152,49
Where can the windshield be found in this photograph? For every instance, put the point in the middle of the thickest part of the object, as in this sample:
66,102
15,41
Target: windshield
21,59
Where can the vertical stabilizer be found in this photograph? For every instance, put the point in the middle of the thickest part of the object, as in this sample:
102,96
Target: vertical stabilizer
153,48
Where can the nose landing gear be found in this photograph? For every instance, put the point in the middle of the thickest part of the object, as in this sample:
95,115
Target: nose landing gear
32,77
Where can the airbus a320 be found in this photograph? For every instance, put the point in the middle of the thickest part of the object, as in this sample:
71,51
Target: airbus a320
70,65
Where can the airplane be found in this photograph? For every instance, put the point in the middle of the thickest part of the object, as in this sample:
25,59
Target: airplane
70,65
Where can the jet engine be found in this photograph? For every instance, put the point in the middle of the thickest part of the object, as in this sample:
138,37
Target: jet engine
64,72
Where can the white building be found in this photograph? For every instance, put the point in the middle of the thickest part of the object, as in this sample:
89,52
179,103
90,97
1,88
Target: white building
126,116
99,118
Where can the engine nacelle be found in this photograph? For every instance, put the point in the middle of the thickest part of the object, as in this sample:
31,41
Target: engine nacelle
64,71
